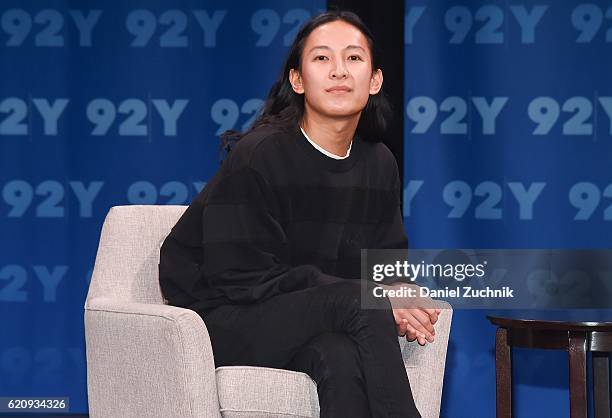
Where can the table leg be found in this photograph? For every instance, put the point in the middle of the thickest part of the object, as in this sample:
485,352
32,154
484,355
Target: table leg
577,375
601,385
503,374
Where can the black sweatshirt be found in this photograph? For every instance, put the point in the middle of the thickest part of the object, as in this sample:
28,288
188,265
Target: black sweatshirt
281,216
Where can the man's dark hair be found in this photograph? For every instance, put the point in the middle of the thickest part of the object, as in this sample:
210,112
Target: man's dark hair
284,108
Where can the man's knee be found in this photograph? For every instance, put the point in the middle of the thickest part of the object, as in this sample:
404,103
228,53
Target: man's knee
353,302
331,355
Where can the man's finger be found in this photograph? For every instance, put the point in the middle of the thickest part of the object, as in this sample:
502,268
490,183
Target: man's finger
425,321
411,334
417,325
433,315
402,327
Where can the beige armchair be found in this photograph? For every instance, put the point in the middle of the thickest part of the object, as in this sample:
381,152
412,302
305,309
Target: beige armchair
148,359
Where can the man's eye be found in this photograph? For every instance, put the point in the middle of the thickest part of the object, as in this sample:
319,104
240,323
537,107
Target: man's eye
355,58
320,58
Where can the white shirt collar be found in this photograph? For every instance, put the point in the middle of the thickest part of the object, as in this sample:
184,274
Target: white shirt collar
329,154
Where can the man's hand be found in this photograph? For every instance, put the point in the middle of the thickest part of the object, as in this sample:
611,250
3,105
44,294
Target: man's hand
414,316
416,323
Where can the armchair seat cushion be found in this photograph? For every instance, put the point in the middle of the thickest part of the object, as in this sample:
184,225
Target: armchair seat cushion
255,392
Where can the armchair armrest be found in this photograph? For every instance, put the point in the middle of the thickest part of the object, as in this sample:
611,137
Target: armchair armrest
148,360
425,365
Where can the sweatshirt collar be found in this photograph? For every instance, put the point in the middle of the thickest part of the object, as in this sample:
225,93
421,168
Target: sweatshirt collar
324,161
324,151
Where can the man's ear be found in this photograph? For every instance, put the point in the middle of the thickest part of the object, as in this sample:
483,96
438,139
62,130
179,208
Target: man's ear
296,81
376,81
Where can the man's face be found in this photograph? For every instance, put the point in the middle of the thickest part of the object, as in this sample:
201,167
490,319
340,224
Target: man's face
336,77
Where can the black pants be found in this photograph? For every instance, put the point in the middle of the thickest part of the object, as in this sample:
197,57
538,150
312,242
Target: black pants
351,353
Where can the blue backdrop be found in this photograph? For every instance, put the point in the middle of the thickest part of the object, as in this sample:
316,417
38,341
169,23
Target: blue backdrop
508,125
507,132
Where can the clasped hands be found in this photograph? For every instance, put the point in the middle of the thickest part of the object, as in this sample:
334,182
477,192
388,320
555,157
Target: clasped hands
415,317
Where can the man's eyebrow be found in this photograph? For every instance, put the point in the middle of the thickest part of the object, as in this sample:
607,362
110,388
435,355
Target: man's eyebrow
354,47
328,48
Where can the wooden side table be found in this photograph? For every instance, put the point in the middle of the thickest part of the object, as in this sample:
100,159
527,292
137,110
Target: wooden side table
577,338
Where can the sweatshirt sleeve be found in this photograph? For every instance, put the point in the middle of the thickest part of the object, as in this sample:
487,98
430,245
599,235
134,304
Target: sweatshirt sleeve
245,250
389,232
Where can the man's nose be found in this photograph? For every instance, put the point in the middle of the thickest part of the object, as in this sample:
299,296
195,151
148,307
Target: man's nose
339,70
